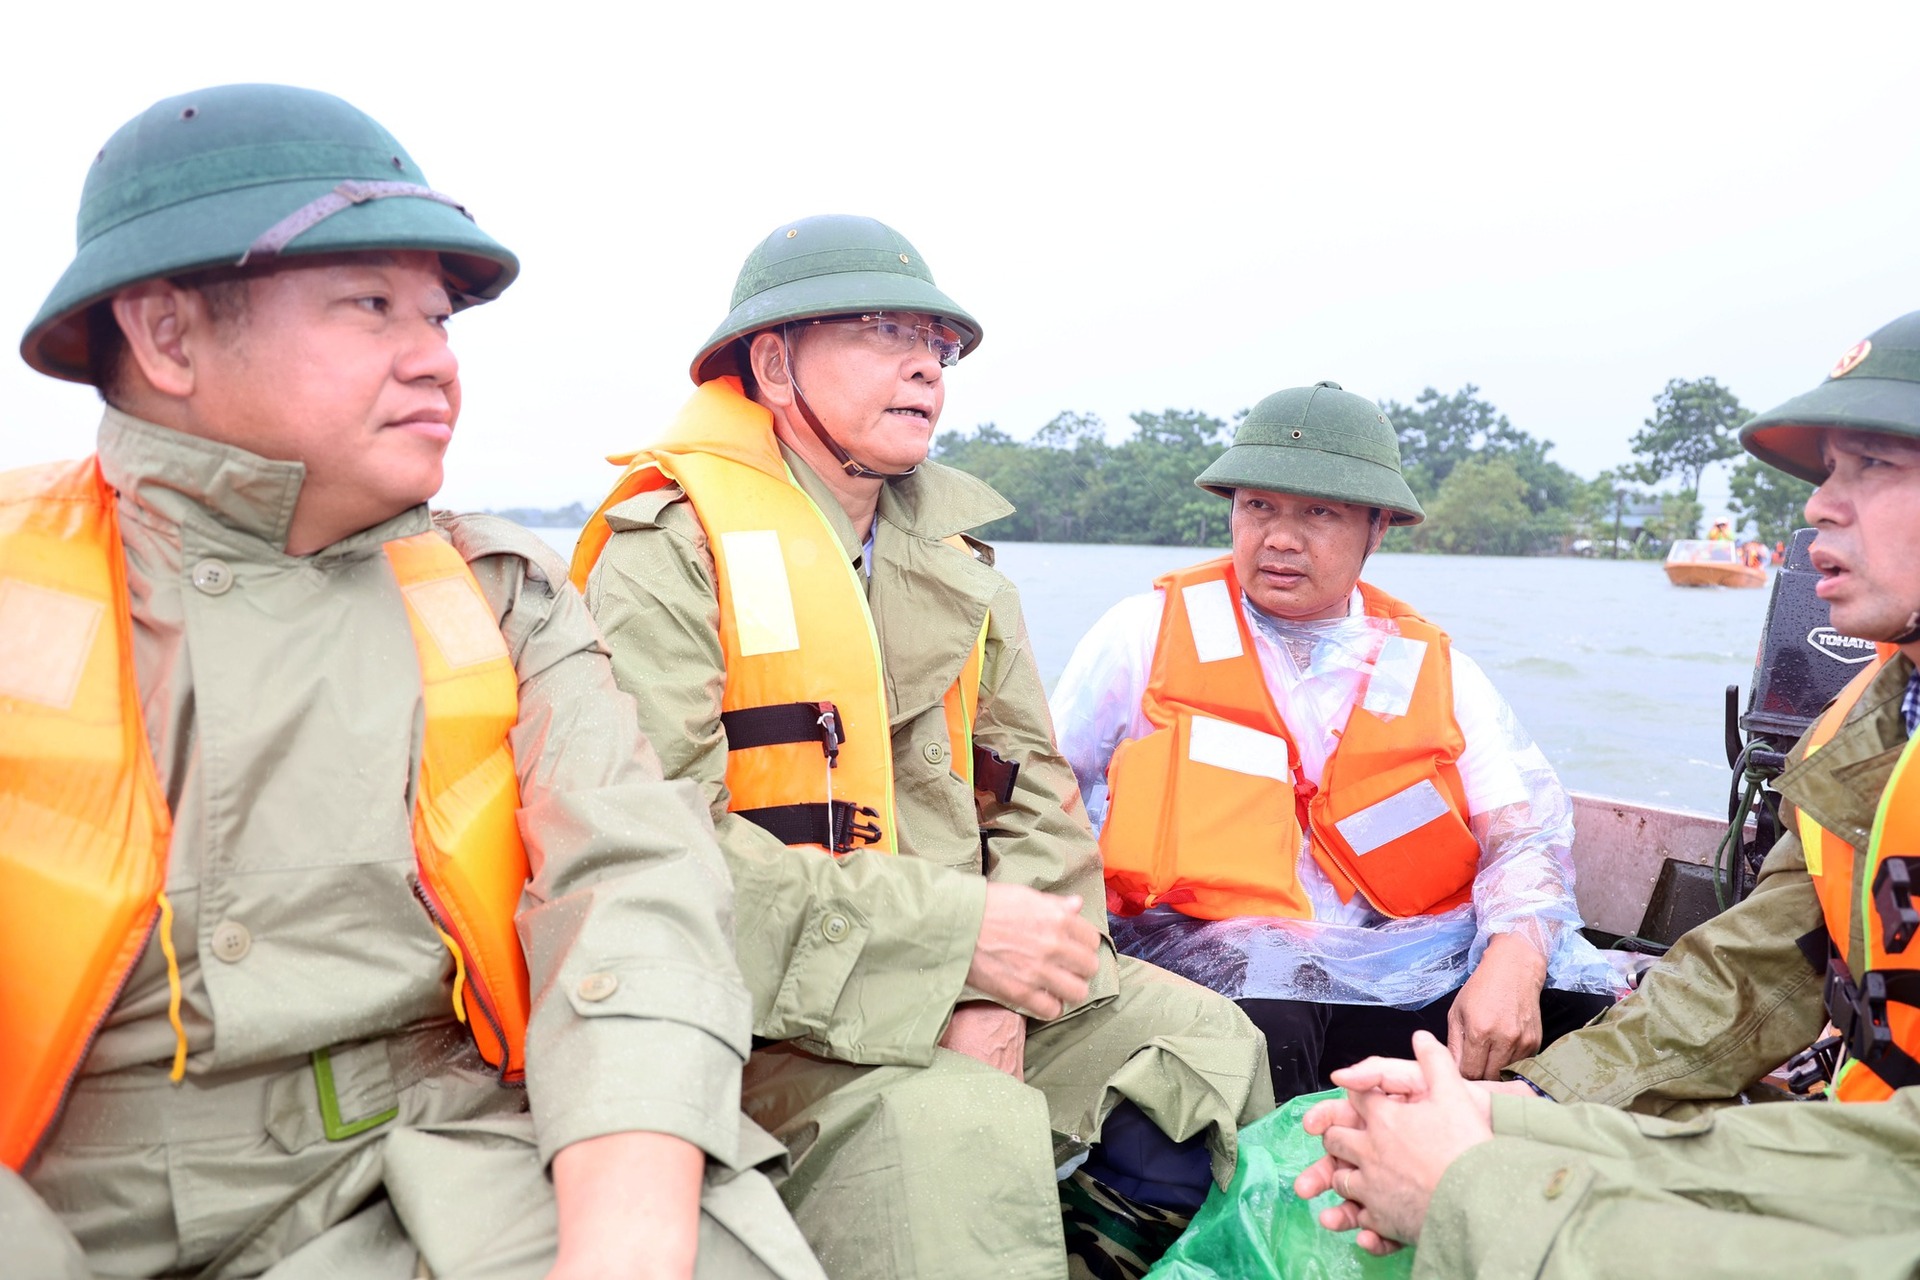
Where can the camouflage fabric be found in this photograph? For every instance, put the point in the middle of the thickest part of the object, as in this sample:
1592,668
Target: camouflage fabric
1110,1237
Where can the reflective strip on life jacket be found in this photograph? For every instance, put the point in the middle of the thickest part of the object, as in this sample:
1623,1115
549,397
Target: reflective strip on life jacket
1868,984
84,826
794,626
1207,812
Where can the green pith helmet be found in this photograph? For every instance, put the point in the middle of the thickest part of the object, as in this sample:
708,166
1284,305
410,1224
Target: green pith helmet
243,174
1322,442
1874,386
830,265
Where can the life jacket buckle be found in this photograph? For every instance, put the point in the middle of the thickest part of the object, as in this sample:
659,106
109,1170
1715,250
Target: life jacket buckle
830,735
864,832
1859,1012
1893,903
1813,1066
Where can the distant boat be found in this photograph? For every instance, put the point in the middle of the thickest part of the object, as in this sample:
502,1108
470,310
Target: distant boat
1696,562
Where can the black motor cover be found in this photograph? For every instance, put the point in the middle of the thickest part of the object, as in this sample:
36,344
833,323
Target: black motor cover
1802,661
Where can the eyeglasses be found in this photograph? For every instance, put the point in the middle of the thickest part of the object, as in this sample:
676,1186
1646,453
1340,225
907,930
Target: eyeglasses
896,334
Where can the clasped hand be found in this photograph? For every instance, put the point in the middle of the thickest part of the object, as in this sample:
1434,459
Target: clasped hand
1389,1140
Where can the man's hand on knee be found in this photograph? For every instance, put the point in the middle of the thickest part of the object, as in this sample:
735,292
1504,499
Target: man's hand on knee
1035,952
990,1033
1496,1017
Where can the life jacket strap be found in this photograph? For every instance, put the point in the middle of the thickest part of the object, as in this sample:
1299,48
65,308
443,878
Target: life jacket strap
1893,902
994,773
836,824
783,722
1858,1012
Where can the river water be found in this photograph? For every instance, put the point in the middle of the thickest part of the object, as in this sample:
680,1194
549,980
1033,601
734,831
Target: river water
1620,675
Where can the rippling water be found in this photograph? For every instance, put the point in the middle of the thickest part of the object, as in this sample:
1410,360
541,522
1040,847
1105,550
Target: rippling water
1619,674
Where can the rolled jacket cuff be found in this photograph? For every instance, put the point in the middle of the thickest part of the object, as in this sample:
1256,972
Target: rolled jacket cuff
635,1075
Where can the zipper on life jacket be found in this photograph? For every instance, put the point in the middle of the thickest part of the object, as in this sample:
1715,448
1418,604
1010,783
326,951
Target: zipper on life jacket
480,997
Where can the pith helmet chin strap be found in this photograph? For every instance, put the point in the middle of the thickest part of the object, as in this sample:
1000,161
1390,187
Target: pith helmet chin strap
857,470
1912,633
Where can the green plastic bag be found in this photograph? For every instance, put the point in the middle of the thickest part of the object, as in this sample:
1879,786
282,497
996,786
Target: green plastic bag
1257,1229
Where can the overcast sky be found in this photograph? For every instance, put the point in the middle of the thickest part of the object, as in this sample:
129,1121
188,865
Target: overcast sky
1146,206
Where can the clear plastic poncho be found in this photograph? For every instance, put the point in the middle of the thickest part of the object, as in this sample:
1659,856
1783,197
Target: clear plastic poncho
1348,953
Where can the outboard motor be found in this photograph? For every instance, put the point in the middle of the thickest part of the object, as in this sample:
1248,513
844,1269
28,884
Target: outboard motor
1802,664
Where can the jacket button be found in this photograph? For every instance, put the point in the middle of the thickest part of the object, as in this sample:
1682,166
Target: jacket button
834,928
935,752
598,986
1556,1184
213,577
231,941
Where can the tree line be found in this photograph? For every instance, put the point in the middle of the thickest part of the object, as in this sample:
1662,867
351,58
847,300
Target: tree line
1488,487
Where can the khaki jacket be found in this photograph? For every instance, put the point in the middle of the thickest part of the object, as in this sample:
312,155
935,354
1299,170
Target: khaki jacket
282,702
862,958
1738,996
1690,1186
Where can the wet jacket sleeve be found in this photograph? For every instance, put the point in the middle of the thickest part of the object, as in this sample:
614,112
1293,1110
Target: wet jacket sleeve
627,884
1582,1191
1734,999
1040,838
859,958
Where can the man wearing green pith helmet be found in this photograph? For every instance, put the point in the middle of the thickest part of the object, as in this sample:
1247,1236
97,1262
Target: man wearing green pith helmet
1310,800
292,771
791,594
1625,1149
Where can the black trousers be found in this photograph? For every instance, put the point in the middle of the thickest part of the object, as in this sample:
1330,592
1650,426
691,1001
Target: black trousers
1306,1042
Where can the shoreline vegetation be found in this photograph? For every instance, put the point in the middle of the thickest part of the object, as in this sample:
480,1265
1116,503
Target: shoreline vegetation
1488,487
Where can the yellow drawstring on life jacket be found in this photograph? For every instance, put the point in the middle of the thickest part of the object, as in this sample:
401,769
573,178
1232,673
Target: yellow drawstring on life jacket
173,992
459,976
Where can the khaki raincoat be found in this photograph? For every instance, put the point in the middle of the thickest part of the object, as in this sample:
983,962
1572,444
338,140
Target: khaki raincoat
855,964
282,700
1689,1185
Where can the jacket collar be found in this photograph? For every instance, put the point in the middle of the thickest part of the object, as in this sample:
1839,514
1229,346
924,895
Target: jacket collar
182,481
1840,785
928,599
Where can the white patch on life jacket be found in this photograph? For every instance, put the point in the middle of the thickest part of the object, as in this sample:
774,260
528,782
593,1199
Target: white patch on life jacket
1399,814
758,589
1216,632
457,617
1395,671
1225,745
45,637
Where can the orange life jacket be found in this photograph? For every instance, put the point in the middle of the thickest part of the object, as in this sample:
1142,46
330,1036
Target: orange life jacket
84,825
1872,991
809,743
1206,813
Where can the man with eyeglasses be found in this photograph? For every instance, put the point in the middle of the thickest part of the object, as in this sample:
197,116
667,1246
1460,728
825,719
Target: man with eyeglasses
789,593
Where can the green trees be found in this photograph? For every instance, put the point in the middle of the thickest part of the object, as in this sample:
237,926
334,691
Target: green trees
1481,509
1442,436
1070,485
1694,424
1772,500
1488,487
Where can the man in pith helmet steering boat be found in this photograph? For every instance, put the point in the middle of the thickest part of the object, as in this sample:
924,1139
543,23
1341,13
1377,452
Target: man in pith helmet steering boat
288,768
1492,1184
790,594
1311,802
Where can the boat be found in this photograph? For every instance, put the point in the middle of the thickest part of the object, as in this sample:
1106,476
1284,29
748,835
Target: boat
1645,874
1703,562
